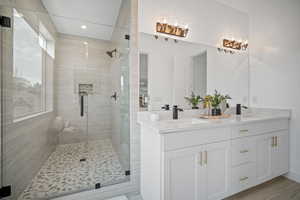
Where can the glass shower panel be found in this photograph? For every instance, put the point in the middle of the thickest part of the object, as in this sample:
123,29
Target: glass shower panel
120,92
65,113
44,154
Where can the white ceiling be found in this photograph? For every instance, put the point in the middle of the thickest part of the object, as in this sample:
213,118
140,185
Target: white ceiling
99,16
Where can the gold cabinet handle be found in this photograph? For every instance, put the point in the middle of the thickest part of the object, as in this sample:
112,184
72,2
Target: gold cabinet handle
244,178
244,131
200,159
244,151
205,155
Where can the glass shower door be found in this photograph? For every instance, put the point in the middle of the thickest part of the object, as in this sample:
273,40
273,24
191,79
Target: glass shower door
64,115
43,154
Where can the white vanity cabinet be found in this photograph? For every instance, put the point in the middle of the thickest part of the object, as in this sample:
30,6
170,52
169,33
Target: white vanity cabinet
258,159
272,155
198,173
214,162
183,174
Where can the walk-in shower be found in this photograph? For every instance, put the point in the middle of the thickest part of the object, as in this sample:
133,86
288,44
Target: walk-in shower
61,130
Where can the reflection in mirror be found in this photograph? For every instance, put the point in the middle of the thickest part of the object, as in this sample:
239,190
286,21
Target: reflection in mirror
198,74
178,69
143,91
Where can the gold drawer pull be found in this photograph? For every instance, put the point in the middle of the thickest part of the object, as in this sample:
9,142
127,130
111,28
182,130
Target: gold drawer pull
244,178
244,151
244,131
273,141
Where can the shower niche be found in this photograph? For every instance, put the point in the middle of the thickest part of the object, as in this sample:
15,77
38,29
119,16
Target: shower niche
85,89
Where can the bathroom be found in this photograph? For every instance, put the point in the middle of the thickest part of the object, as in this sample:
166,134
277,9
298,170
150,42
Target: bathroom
149,99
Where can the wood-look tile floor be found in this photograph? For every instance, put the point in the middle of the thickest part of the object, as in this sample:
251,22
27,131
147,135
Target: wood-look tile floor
279,188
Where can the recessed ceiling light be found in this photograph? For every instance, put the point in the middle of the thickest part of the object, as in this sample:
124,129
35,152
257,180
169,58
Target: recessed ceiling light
86,43
83,27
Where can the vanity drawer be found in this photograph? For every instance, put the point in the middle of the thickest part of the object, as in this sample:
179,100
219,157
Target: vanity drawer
243,151
257,128
243,177
185,139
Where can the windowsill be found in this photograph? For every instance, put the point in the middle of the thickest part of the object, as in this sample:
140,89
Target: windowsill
32,116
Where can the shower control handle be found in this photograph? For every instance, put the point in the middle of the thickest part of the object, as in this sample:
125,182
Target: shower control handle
114,96
81,105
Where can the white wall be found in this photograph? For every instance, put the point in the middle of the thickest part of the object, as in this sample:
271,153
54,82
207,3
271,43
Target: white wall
79,63
208,20
274,61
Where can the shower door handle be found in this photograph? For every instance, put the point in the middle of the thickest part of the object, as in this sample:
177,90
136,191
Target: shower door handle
81,105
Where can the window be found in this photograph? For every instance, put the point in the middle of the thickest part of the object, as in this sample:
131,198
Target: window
31,70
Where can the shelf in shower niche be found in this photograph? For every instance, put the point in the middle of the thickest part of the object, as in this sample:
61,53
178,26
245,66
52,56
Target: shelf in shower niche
86,88
223,116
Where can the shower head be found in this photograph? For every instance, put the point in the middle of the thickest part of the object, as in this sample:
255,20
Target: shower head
110,53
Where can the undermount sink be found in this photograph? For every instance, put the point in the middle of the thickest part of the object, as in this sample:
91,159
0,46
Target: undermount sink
186,121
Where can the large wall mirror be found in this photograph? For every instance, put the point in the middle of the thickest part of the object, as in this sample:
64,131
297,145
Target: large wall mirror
171,70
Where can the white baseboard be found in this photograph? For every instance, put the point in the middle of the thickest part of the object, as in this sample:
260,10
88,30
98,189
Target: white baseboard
293,176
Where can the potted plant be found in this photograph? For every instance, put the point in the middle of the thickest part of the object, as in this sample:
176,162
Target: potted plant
194,100
213,102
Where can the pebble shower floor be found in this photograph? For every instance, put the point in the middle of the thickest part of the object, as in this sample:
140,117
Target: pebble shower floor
64,173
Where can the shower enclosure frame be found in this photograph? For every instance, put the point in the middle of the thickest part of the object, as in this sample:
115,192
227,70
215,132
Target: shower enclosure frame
132,186
5,190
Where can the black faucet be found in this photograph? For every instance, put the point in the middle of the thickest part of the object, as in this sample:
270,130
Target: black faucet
166,107
175,111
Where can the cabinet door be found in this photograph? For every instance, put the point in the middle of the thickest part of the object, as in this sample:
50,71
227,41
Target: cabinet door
217,170
263,157
183,174
280,154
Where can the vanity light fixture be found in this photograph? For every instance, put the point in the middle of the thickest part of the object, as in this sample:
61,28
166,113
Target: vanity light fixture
166,39
233,44
169,29
226,50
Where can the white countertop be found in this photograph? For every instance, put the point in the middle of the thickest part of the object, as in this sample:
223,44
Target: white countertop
191,121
